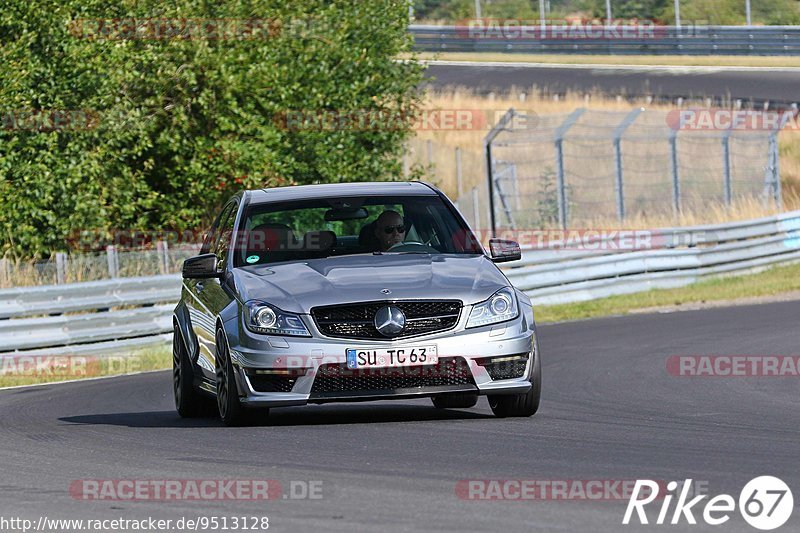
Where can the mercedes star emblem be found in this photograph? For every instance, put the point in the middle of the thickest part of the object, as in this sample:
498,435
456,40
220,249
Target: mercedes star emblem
389,321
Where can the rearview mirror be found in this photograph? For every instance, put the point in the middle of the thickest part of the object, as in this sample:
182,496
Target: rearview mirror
200,267
503,250
345,213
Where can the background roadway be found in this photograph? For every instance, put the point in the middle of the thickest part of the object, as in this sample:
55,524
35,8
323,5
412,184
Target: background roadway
750,85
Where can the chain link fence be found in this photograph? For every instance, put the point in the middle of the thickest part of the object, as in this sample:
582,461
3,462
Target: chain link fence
589,165
114,262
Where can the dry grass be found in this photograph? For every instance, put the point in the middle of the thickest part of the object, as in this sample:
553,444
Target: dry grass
83,267
16,371
441,145
780,280
649,61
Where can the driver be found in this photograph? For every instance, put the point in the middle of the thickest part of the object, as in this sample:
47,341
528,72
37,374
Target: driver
389,229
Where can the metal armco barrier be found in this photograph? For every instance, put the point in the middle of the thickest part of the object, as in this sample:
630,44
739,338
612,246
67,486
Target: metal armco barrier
78,318
34,319
681,257
688,39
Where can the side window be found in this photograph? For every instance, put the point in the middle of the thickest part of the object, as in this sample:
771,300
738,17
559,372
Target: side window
212,236
223,244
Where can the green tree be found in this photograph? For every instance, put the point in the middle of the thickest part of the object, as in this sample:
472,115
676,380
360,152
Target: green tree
184,122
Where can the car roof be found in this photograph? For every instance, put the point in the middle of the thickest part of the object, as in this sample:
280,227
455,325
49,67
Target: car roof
327,190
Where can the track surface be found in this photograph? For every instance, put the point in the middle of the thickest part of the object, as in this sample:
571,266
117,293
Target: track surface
609,411
748,85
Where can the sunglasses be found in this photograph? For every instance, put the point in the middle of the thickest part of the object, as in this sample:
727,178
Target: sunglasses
388,230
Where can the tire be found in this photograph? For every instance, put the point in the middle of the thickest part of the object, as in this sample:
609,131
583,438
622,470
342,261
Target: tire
521,405
231,411
461,400
189,402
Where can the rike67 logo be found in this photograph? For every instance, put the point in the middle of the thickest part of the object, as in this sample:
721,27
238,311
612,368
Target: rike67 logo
765,503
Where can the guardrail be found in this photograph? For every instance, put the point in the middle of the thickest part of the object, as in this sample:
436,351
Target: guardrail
94,317
121,314
682,256
689,40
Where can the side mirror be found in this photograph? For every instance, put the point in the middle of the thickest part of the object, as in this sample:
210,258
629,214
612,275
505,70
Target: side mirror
503,250
201,267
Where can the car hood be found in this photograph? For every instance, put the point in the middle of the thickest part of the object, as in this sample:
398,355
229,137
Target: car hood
299,286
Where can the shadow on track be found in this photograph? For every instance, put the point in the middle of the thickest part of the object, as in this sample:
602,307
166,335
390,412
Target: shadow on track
287,416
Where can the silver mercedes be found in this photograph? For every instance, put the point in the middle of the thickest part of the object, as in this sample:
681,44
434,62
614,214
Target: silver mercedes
350,292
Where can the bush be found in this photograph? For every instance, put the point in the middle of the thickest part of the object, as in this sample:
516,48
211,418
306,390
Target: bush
177,125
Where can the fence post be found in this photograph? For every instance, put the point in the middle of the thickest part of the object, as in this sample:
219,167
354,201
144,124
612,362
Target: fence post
560,178
490,137
777,170
162,249
61,268
673,164
773,177
459,175
726,166
776,160
617,140
476,212
5,272
561,185
499,177
113,261
405,163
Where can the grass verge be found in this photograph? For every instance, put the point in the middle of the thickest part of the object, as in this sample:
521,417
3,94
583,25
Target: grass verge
33,369
655,60
770,283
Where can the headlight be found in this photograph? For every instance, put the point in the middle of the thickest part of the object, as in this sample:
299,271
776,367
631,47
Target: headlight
502,306
261,317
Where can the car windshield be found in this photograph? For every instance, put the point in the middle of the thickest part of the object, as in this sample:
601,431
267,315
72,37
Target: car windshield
324,227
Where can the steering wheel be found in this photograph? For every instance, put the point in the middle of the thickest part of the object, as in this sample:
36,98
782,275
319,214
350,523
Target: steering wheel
411,246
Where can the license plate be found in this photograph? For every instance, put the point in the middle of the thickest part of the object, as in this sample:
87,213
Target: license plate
391,357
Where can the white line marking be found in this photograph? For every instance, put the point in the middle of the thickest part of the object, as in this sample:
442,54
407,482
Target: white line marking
584,66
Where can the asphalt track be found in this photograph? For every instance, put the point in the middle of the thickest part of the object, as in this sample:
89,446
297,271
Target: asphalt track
610,411
749,85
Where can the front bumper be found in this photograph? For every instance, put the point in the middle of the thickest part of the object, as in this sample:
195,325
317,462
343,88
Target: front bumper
292,365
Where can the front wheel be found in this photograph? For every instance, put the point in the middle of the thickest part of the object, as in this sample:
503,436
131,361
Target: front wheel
231,410
521,404
188,401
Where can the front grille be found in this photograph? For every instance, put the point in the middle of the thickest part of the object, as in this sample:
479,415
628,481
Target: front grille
271,382
506,367
337,378
356,321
